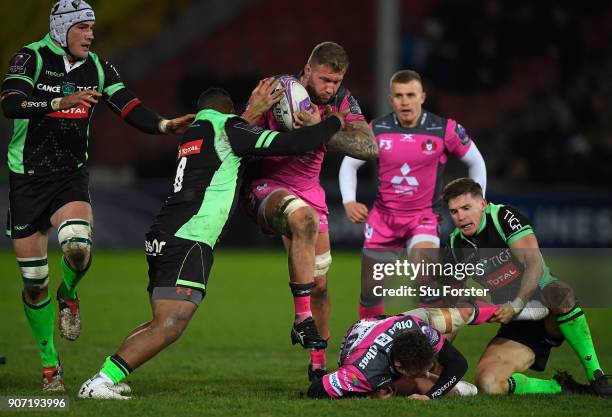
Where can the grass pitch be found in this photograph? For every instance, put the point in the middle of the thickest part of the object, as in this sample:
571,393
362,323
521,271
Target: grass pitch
235,358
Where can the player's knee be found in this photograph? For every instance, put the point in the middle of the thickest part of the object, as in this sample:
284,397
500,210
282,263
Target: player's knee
489,382
35,275
75,237
559,297
322,264
171,327
304,223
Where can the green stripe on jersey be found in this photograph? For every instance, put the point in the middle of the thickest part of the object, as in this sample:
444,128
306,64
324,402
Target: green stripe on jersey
270,138
20,77
15,148
261,139
112,89
208,223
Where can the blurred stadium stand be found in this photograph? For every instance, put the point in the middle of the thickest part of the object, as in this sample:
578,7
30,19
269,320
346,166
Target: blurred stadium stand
531,81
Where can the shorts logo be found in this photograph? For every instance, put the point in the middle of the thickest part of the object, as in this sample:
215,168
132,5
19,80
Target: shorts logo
190,148
155,247
179,290
20,227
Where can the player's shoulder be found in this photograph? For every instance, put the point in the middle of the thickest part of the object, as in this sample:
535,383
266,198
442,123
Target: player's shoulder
384,124
509,220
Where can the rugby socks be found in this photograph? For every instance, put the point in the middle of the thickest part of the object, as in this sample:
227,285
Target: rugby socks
115,369
574,327
520,384
372,311
67,289
301,300
41,318
483,311
317,358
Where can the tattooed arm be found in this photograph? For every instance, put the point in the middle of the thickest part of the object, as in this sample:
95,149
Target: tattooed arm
356,140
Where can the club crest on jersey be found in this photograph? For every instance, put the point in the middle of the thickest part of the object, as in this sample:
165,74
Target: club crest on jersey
68,88
429,147
190,148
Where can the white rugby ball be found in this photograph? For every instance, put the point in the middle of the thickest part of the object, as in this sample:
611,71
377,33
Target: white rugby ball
295,99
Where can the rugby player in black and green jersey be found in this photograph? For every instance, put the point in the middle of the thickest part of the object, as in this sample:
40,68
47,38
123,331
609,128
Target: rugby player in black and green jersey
500,239
50,91
179,246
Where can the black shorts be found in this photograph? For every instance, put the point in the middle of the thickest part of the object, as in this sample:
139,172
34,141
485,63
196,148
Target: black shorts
533,335
34,199
178,268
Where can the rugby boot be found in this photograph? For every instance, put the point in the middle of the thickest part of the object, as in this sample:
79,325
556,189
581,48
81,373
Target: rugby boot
569,385
53,379
306,334
69,318
601,385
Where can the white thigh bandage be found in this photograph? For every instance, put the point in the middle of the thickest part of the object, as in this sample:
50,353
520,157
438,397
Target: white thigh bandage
444,320
35,272
533,310
289,204
322,263
75,234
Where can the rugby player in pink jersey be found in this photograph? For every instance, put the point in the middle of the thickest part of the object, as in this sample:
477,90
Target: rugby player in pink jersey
414,145
288,200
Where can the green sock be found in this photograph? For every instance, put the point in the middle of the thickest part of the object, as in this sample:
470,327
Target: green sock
115,368
41,317
520,384
71,278
576,330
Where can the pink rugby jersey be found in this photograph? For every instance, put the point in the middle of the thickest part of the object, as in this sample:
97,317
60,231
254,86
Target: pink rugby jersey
411,161
301,172
365,362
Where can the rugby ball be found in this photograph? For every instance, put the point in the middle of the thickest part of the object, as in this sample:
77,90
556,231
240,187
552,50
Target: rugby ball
295,99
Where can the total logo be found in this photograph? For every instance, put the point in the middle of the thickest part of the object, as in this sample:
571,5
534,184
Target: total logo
404,183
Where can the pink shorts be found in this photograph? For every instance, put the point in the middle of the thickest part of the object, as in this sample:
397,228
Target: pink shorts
259,190
390,231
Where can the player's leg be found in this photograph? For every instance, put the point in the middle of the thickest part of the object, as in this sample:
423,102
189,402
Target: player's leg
571,322
73,222
31,255
290,217
382,244
422,244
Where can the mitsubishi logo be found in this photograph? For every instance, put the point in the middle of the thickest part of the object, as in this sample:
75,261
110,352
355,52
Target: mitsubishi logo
405,170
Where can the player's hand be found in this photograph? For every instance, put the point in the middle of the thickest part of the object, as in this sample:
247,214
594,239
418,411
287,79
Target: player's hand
356,212
306,117
340,115
420,397
383,393
504,314
265,96
84,97
180,124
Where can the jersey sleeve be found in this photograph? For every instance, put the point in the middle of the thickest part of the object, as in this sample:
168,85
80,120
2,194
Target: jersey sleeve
513,223
456,139
246,139
347,381
125,104
350,102
21,74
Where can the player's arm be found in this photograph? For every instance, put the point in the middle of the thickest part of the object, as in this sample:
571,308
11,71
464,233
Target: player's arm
355,211
16,93
246,139
356,140
128,107
455,366
477,169
523,243
346,382
263,97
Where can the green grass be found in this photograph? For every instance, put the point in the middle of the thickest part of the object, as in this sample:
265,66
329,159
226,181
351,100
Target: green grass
236,358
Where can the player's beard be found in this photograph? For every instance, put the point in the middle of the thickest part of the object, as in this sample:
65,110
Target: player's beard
314,97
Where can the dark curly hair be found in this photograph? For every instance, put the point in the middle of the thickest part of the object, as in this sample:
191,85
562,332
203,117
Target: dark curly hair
413,351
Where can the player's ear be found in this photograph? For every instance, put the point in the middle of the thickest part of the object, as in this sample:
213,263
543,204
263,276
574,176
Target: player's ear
423,97
307,70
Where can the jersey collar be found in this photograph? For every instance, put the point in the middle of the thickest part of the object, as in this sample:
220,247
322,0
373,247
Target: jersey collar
52,46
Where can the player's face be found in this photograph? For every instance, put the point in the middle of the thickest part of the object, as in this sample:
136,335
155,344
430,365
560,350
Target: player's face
467,211
322,82
407,100
80,37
